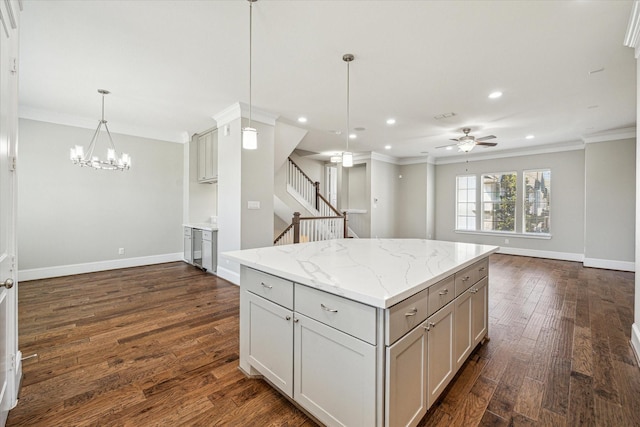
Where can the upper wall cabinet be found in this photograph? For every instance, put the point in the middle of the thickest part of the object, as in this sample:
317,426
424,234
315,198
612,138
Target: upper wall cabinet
208,157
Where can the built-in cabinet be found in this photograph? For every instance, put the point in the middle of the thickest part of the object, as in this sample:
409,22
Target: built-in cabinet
200,247
208,157
343,360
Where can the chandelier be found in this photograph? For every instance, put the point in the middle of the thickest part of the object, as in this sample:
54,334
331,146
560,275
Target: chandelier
78,157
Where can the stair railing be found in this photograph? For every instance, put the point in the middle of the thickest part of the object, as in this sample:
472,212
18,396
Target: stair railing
309,190
313,229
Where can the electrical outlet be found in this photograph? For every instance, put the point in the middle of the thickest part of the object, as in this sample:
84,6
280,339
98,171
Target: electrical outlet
120,251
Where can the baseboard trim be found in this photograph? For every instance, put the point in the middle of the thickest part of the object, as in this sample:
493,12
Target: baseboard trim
610,264
228,275
635,341
90,267
563,256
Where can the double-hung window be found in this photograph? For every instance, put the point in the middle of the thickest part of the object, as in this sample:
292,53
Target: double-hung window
466,202
537,190
499,202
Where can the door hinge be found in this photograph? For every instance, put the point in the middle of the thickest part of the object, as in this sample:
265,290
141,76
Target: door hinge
12,164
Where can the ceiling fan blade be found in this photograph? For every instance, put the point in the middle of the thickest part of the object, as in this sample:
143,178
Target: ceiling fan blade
454,139
487,144
445,146
484,138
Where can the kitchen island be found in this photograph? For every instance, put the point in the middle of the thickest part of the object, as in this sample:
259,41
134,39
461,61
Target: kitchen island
362,331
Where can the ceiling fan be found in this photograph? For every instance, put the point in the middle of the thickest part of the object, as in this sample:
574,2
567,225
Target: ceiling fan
467,142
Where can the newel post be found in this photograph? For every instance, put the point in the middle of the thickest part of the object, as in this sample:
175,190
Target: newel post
346,225
296,227
317,186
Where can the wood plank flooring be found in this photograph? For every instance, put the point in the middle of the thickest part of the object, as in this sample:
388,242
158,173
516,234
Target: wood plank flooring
158,346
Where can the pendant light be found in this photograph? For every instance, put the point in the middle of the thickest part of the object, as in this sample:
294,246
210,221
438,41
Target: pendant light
113,162
250,134
347,156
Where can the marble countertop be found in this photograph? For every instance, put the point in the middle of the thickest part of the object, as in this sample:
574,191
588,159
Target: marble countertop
202,226
377,272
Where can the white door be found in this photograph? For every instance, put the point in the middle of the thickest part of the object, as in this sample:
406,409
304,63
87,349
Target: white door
331,184
10,370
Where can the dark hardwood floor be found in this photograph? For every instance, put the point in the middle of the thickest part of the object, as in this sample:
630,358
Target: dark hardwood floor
158,346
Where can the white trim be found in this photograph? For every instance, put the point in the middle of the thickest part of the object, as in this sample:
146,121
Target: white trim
17,379
635,341
610,264
228,275
240,109
90,267
632,37
86,123
529,151
610,135
505,234
374,155
563,256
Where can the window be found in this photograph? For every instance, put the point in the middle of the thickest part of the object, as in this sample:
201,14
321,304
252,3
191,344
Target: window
537,189
499,202
466,202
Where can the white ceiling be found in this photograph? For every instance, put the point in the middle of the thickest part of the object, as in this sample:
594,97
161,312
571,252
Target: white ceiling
172,65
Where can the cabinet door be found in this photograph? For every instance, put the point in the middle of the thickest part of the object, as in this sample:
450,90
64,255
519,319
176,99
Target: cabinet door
335,374
271,342
440,359
207,159
479,310
463,336
207,252
406,381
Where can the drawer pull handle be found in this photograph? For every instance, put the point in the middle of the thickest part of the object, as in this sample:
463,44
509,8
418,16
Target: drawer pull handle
429,326
443,292
465,278
266,286
296,320
412,312
473,291
331,310
288,318
481,269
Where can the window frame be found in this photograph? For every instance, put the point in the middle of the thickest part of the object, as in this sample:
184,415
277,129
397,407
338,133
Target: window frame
482,203
524,200
475,203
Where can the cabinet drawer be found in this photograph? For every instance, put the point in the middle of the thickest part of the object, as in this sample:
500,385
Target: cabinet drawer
343,314
470,275
406,315
187,231
206,235
441,294
268,286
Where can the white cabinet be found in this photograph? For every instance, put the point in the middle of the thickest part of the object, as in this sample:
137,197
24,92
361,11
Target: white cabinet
334,374
479,310
406,379
463,338
208,157
188,248
271,341
440,359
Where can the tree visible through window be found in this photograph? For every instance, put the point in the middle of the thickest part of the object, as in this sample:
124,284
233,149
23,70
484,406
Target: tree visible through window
499,202
537,188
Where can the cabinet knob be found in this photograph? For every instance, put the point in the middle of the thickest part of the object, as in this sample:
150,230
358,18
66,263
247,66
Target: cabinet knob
7,283
465,278
473,291
288,318
295,320
265,285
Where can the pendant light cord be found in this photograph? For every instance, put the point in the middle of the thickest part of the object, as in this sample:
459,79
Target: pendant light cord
250,54
348,128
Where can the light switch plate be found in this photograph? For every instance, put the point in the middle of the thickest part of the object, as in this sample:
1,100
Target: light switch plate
253,204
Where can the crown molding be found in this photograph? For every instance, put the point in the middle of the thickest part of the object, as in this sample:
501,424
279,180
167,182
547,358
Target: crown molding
610,135
632,37
543,149
240,109
374,155
85,123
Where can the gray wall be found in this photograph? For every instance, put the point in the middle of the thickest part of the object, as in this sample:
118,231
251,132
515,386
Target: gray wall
610,200
384,193
72,215
411,210
567,201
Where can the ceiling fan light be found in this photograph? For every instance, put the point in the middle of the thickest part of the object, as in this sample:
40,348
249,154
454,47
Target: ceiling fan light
466,146
336,159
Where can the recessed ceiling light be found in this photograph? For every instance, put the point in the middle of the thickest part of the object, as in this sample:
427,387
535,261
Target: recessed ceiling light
352,136
494,95
302,119
529,136
450,148
387,147
391,121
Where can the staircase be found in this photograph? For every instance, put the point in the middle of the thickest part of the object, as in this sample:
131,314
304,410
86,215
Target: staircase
326,221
